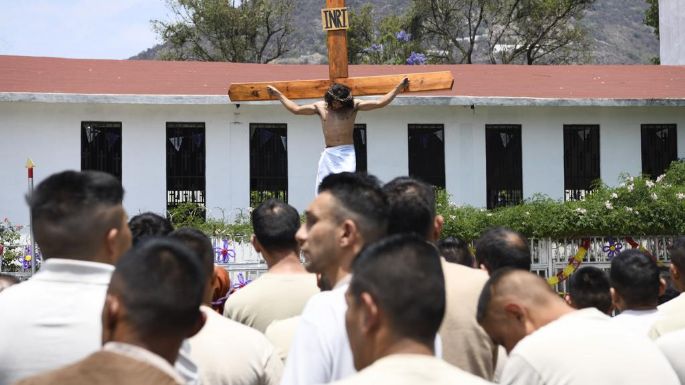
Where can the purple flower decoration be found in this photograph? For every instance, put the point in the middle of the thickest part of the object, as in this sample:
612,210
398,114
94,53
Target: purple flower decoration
242,281
224,253
613,248
374,48
403,36
28,256
416,59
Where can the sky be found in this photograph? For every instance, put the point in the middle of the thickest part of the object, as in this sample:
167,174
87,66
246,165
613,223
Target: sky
93,29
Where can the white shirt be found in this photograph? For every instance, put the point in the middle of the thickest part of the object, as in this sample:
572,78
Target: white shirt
584,347
671,344
411,369
637,321
53,319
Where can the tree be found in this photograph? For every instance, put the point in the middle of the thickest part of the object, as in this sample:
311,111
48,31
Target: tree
254,31
652,16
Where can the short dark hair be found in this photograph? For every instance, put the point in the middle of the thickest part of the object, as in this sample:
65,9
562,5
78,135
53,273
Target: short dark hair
635,277
361,196
199,244
339,93
149,225
404,276
589,287
161,284
73,210
274,224
455,250
412,206
677,253
500,247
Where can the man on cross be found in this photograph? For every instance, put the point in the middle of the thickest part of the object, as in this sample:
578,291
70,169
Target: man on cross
338,112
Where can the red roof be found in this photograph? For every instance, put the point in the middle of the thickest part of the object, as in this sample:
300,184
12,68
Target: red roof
128,77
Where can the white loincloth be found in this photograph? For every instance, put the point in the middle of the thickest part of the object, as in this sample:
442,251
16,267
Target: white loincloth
335,160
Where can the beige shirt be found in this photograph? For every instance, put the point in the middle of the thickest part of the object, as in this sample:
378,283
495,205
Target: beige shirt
411,369
465,344
270,297
281,334
229,353
672,317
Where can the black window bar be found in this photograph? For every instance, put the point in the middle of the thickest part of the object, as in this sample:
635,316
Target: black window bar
581,160
360,147
427,153
659,148
185,163
268,162
504,167
101,147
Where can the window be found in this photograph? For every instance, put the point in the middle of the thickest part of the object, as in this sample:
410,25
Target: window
581,160
185,163
101,147
360,146
659,148
427,153
268,162
504,167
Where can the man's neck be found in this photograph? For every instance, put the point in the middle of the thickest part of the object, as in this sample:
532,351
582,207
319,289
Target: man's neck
166,348
284,262
405,346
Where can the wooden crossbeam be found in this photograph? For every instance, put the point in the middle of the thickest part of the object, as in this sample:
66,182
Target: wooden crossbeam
315,89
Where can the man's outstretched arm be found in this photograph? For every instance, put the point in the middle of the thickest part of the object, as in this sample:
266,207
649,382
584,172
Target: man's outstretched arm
307,109
367,105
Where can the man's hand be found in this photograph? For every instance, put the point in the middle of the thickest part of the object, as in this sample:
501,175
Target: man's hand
273,91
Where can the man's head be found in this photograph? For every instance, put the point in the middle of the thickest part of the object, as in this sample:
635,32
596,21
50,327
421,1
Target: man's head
202,249
677,269
79,215
154,297
412,208
149,225
349,212
635,281
589,287
397,293
274,224
515,303
339,97
455,250
500,247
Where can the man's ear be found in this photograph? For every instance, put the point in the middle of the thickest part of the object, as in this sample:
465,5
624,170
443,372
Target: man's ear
370,313
199,324
675,273
438,223
255,243
349,234
111,313
616,299
568,300
112,244
662,286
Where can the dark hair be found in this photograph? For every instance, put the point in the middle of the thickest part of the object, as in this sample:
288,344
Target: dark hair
589,287
412,206
404,276
677,253
72,211
501,247
161,284
275,224
635,277
455,250
199,244
339,93
361,197
149,225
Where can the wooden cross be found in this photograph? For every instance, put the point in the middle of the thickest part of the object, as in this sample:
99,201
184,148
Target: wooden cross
335,22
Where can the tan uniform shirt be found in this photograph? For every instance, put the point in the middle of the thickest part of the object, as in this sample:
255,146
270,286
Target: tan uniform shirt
465,344
270,297
411,369
229,353
672,317
281,334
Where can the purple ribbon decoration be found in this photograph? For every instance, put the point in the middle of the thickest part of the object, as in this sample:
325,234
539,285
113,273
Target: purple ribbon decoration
224,253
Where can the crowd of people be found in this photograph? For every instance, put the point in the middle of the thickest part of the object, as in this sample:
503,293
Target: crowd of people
380,299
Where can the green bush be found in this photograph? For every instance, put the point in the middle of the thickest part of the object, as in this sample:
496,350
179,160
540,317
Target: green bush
193,215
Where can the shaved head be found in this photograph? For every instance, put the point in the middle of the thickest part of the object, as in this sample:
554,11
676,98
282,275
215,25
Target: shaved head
514,303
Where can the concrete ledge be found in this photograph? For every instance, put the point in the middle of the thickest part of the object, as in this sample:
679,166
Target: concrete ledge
400,101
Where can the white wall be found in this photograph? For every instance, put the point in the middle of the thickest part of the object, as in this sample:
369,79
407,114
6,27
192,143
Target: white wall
671,31
50,135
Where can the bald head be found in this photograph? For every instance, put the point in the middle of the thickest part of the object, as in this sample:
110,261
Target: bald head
514,303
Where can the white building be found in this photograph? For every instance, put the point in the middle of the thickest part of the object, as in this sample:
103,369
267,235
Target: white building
671,32
502,133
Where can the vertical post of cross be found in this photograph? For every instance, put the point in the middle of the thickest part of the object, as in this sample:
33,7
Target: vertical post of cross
337,47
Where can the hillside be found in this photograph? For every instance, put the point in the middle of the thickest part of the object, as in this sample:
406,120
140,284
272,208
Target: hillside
615,27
